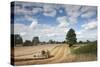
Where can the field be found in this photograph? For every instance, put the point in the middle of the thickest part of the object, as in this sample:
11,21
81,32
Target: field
60,53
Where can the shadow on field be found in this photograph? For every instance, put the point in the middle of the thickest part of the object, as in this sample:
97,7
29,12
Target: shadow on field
28,59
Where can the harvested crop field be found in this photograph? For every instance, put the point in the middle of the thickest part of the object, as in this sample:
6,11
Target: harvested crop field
59,53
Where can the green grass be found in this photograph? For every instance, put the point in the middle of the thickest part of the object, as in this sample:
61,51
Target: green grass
90,48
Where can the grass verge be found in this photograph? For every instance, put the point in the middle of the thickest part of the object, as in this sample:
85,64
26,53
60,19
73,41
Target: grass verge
86,49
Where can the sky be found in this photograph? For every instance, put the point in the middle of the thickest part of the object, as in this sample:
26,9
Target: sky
52,21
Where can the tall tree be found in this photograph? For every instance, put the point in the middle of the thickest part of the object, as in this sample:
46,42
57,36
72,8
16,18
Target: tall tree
18,39
35,40
27,43
71,37
87,41
80,42
51,41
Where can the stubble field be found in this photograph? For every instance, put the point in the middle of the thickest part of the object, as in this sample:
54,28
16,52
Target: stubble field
60,53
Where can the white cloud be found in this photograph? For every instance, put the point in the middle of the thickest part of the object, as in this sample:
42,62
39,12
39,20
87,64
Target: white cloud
48,30
88,8
33,24
84,35
72,20
29,17
72,12
36,10
49,10
62,21
90,25
88,31
58,32
18,28
87,35
88,11
88,14
27,11
23,33
51,35
45,32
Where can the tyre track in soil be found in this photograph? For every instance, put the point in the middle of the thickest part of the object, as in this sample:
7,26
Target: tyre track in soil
31,54
54,51
66,52
58,56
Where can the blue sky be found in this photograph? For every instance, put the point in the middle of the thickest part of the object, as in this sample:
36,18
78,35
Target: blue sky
52,21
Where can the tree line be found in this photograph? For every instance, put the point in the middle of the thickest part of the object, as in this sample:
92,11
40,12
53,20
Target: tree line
70,40
18,41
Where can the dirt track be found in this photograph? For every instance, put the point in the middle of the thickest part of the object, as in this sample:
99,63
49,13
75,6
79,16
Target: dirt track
59,54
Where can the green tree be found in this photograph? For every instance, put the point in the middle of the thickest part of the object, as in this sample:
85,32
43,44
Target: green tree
71,37
80,42
18,39
51,41
27,43
87,41
35,41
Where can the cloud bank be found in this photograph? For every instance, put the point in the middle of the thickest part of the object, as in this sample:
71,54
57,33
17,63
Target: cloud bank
28,21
